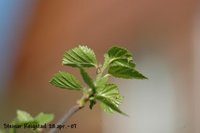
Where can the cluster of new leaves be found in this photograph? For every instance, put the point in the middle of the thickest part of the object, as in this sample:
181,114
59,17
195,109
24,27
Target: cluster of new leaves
24,119
118,63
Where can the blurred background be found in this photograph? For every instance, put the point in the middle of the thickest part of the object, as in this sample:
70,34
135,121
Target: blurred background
164,36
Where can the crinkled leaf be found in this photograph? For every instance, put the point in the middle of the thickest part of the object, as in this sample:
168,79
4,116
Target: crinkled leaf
109,106
121,55
125,72
102,81
23,116
110,98
124,63
43,118
120,62
123,68
111,92
66,80
116,53
88,80
81,56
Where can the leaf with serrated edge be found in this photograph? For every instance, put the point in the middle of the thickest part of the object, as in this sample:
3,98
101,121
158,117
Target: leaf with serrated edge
109,104
66,80
125,72
110,98
80,56
121,64
118,52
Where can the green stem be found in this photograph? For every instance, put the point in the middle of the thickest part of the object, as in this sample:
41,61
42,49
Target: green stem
105,65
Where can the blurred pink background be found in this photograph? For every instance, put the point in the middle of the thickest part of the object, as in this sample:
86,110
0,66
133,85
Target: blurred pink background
164,36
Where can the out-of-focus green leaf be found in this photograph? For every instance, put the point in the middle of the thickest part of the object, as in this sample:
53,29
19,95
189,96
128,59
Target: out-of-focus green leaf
43,118
23,116
110,98
66,81
81,56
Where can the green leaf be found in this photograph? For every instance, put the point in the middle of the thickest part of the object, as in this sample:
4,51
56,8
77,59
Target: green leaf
43,118
108,105
124,63
121,64
23,116
116,53
66,81
137,75
81,56
102,81
125,72
110,98
87,79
